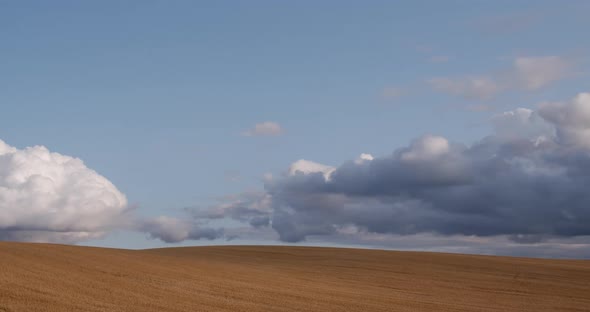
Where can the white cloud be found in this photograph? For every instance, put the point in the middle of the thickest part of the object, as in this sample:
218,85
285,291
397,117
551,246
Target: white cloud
571,119
534,73
47,196
525,74
363,158
267,128
426,148
306,167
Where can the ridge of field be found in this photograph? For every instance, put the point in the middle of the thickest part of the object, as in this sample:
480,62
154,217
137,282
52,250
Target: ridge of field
46,277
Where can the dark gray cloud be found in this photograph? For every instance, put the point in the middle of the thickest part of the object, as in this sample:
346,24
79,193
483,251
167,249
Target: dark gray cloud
527,182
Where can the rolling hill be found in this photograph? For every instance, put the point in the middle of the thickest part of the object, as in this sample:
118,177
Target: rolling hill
45,277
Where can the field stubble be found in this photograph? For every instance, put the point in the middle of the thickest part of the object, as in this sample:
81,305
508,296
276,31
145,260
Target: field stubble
44,277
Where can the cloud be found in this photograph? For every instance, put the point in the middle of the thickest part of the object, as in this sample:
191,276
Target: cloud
174,230
50,197
525,183
47,196
251,207
571,120
267,128
578,247
425,148
364,157
304,167
468,87
521,122
533,73
526,74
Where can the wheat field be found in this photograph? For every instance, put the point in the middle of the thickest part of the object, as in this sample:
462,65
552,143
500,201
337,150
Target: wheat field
45,277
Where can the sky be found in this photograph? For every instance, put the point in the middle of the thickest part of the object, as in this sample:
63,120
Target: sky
455,126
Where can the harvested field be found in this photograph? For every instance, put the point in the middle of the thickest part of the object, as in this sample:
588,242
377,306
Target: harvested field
44,277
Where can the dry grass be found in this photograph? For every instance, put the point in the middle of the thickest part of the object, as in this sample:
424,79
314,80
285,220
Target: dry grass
40,277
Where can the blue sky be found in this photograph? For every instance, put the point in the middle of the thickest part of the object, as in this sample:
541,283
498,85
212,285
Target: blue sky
156,95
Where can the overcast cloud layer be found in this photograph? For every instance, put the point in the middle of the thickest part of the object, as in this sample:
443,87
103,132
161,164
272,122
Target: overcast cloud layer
527,182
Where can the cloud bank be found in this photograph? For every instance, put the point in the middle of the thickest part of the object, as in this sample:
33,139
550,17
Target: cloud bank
523,185
526,182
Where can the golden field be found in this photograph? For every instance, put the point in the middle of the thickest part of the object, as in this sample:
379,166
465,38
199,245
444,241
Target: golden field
44,277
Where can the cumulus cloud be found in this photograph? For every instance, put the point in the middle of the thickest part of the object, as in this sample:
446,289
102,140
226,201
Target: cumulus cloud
50,197
521,122
571,119
267,128
47,196
364,157
525,74
304,167
525,183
